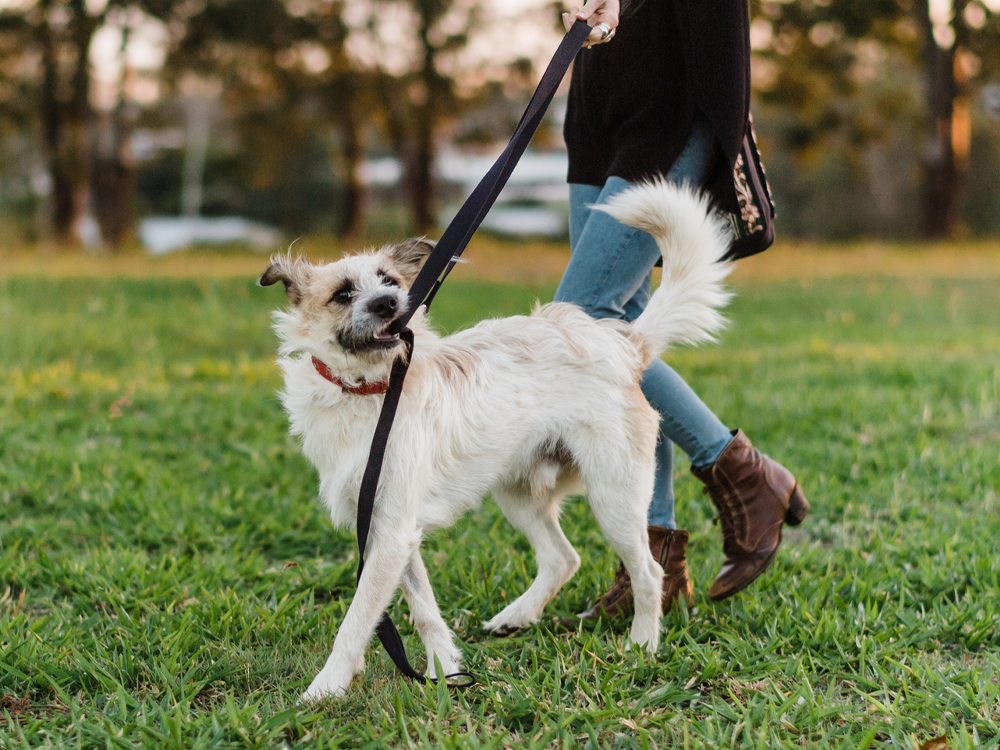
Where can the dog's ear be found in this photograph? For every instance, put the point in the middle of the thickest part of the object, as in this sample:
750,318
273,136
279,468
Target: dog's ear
409,255
292,272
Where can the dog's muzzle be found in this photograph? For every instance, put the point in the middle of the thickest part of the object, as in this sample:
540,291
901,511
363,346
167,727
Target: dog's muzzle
385,306
375,322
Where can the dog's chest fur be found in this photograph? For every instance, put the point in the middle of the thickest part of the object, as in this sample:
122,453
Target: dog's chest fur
330,424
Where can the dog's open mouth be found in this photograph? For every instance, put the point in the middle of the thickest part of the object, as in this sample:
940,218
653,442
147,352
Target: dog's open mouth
378,340
385,339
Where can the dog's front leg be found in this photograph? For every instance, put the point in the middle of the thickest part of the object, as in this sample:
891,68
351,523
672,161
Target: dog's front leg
383,570
434,632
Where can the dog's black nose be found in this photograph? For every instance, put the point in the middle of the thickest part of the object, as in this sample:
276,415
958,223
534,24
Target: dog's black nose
384,306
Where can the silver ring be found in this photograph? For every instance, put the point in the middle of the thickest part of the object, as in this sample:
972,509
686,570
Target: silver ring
606,31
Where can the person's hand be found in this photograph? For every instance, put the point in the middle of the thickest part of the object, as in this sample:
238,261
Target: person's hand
600,15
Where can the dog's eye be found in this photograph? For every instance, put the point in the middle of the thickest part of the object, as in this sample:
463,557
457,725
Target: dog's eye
387,279
343,295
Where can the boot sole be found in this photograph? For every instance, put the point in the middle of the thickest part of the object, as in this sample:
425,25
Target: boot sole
798,507
754,577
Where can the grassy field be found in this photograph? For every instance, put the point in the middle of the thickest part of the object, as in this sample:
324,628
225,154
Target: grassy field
167,578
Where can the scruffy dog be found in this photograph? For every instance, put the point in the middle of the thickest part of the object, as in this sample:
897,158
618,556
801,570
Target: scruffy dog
527,409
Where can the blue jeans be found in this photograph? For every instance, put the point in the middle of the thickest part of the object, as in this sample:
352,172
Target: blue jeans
609,275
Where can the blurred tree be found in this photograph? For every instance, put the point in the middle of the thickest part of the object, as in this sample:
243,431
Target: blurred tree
20,182
287,82
57,33
112,168
821,58
46,48
420,97
875,93
18,87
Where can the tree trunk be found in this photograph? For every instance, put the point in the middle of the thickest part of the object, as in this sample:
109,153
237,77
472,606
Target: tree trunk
943,169
65,125
113,174
400,124
353,205
77,136
52,131
113,188
421,182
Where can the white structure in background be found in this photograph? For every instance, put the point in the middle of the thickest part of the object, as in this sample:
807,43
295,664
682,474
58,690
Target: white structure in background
164,234
526,221
538,180
197,111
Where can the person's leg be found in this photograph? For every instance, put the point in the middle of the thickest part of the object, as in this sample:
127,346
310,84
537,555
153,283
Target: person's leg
684,417
610,263
581,198
609,277
661,506
754,494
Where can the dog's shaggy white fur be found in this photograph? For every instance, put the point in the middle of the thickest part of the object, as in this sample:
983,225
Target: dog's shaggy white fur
528,409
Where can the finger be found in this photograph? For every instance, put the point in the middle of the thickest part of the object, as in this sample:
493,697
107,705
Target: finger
599,15
597,37
588,10
601,32
568,21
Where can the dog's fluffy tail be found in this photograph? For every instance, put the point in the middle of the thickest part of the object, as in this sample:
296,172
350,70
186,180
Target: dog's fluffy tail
692,238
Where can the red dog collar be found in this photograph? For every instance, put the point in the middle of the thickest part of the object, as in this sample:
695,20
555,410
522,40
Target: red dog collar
363,389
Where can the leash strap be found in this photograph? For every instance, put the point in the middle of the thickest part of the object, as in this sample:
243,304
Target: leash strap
458,233
436,268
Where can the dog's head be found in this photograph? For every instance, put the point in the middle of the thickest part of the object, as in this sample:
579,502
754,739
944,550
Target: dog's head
341,312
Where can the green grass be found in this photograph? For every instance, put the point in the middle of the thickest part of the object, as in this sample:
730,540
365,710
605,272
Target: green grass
169,580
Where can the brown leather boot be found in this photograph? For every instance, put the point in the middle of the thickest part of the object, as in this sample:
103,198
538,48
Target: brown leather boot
669,547
754,496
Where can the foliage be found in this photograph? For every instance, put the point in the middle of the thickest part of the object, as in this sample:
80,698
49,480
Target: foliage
875,114
167,578
295,115
894,89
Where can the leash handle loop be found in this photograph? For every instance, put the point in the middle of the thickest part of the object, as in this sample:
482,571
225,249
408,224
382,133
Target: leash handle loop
436,268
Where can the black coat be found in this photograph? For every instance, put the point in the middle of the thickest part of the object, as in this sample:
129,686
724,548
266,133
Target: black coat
632,101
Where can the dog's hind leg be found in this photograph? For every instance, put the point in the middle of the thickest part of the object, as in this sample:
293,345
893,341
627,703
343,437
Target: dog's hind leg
384,565
434,632
557,561
619,486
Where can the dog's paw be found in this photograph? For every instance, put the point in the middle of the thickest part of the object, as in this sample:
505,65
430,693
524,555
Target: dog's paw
450,660
440,642
505,631
507,622
316,693
327,684
644,636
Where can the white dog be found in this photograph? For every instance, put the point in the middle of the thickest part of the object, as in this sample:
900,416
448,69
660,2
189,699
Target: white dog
527,409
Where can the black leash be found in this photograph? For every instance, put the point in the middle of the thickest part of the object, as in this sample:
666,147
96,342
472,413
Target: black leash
436,268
